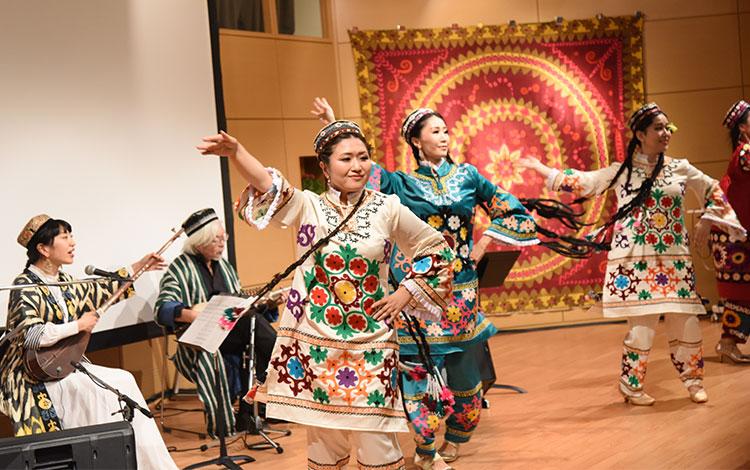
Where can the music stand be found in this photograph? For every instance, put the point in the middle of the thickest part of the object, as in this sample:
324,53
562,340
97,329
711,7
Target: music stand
495,266
492,270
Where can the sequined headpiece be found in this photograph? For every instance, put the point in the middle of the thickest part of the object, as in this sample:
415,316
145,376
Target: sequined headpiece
649,109
734,113
31,227
412,119
333,130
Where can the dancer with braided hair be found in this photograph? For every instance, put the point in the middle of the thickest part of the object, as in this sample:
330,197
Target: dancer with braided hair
649,268
732,257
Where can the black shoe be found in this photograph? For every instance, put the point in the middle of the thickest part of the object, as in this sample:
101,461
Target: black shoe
243,421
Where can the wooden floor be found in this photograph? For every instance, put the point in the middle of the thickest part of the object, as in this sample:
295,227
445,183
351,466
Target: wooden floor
572,415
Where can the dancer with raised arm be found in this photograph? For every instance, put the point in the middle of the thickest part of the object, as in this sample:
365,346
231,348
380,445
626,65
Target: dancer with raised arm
335,363
649,269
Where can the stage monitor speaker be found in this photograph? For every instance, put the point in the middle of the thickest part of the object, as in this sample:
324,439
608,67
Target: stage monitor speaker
110,445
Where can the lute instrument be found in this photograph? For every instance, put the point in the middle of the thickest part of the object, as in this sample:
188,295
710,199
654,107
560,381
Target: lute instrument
57,361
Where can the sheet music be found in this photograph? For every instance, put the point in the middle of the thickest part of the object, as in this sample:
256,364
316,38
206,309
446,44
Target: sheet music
206,331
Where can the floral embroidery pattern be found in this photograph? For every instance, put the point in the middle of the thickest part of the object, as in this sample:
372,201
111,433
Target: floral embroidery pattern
571,181
467,414
661,279
717,201
349,377
387,250
511,219
443,190
459,317
305,235
731,259
293,368
295,304
229,317
633,368
623,282
661,224
343,287
687,358
744,157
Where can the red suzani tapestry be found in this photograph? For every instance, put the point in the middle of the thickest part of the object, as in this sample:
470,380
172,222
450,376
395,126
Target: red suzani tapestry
560,92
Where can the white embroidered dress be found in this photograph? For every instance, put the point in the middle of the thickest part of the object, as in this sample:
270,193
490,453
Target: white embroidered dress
333,365
649,268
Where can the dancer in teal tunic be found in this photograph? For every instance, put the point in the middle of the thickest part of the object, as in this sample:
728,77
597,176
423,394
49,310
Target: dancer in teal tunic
446,195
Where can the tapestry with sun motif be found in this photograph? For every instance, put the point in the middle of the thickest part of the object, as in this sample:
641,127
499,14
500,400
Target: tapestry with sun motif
560,92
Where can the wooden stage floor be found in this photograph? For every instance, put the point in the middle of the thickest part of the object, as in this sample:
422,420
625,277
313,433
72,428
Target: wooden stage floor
572,415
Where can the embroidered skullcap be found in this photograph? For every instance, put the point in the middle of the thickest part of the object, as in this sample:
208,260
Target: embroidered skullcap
199,219
31,227
412,119
642,113
333,130
734,113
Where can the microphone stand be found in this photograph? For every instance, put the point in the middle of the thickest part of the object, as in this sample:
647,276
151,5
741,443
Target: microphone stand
128,404
259,423
225,460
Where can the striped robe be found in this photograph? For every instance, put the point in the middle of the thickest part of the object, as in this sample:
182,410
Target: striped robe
23,399
183,285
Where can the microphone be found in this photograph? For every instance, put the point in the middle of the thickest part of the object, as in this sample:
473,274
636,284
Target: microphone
92,271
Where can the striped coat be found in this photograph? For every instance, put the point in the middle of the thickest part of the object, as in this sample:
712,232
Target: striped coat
23,399
182,285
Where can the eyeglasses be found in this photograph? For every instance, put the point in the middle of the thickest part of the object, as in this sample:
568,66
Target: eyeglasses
220,238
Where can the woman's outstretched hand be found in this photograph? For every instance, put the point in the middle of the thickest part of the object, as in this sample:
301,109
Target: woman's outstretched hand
529,163
152,262
532,163
322,110
221,144
701,232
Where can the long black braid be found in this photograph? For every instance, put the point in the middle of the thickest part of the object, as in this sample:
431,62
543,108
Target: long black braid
603,241
568,245
574,247
642,193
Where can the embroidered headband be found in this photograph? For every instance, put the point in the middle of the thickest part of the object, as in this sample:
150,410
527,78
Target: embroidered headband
649,109
734,113
333,130
31,227
412,119
199,219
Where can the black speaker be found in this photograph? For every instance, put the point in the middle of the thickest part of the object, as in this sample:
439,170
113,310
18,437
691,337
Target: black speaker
103,446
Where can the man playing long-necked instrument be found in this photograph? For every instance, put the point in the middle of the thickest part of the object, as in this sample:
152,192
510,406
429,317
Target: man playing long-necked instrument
48,314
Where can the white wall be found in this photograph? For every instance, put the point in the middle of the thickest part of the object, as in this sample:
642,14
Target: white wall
101,105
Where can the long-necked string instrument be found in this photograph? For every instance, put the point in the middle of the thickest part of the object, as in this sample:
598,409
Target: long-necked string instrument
57,361
88,280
